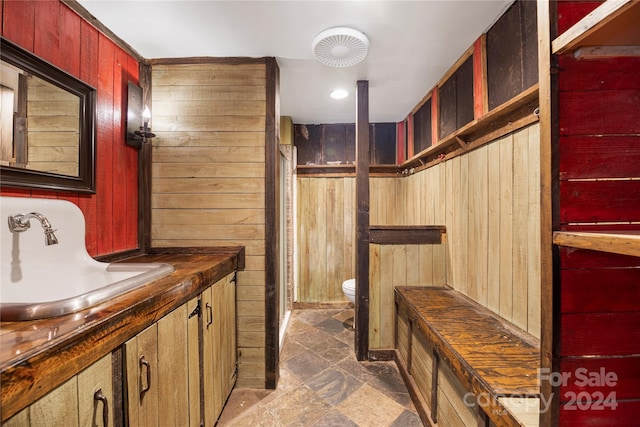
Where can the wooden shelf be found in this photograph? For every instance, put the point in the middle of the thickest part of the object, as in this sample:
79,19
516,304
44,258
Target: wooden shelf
345,170
613,23
407,234
617,242
513,114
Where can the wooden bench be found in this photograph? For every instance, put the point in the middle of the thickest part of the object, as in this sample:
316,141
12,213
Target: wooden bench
463,364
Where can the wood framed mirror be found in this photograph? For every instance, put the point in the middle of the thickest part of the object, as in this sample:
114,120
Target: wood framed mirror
47,125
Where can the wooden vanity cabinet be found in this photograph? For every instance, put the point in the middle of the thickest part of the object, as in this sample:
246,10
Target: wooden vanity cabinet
180,370
158,372
219,346
84,400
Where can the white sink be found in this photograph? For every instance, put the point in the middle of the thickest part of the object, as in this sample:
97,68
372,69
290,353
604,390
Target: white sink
39,281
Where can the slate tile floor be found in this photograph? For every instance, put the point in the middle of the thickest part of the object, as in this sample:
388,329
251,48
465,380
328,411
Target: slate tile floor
322,384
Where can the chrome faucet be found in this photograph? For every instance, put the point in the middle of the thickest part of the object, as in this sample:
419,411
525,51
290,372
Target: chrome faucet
20,222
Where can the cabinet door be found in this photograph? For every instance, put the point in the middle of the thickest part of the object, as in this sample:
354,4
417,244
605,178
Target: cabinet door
194,308
74,402
95,394
210,350
228,349
219,346
141,374
159,366
58,407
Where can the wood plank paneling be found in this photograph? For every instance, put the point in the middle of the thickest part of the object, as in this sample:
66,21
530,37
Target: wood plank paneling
208,178
326,218
489,201
51,30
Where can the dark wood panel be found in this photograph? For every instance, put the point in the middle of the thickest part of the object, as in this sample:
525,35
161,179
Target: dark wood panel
600,290
608,112
529,43
464,93
334,142
361,340
406,235
272,229
422,127
504,54
599,74
604,334
584,157
599,201
626,375
446,107
512,53
383,143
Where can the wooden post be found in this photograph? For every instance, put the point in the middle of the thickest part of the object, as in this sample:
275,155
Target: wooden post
272,231
362,221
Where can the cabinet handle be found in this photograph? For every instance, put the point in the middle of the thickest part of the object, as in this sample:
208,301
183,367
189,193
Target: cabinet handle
98,395
143,362
209,314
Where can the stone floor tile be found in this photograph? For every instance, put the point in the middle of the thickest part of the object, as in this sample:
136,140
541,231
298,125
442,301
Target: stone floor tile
367,407
306,365
299,407
407,419
334,385
334,418
332,350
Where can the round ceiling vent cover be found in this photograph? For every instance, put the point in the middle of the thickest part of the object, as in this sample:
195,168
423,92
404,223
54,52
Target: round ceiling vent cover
340,47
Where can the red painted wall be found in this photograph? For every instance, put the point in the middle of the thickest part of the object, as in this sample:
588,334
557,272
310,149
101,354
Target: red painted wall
57,34
599,293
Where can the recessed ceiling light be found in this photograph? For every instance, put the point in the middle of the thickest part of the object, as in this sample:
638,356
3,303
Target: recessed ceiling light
339,94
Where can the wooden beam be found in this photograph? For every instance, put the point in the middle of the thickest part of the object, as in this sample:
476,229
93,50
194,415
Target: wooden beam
362,221
272,240
549,190
144,169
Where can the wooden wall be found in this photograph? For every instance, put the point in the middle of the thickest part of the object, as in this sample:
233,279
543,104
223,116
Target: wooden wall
598,324
57,34
398,265
489,201
326,237
208,179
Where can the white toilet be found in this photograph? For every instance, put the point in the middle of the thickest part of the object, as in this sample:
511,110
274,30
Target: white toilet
349,289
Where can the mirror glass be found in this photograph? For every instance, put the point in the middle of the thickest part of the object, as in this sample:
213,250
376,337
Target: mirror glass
46,125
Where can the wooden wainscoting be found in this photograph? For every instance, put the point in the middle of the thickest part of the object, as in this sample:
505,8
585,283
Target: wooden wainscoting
326,237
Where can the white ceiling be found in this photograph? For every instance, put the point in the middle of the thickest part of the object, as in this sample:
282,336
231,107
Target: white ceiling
412,44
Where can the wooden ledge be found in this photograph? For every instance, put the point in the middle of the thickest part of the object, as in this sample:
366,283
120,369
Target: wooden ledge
508,117
617,242
489,356
613,22
407,234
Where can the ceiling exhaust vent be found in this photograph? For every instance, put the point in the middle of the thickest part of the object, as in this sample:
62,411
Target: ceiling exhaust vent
340,47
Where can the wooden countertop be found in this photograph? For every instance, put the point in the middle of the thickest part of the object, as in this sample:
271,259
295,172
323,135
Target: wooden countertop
37,356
